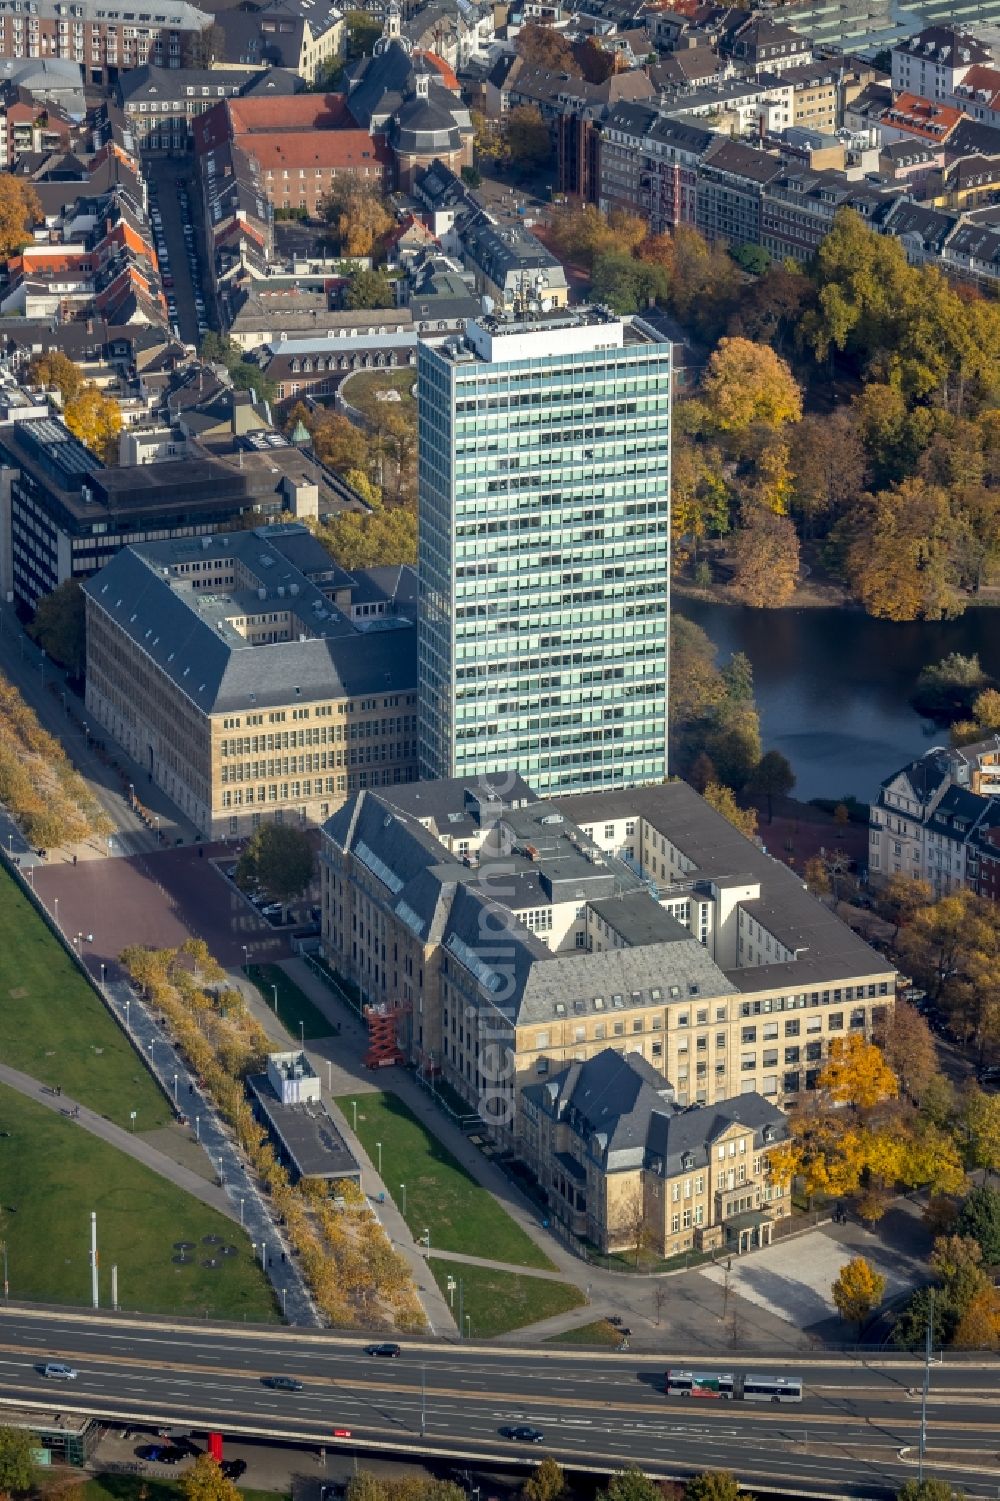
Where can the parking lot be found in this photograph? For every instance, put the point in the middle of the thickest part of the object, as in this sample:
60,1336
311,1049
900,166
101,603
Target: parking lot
173,210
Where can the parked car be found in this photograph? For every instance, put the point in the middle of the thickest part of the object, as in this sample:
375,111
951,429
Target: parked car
233,1468
162,1454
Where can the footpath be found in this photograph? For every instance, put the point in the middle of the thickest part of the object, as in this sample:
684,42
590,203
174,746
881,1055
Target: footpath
681,1310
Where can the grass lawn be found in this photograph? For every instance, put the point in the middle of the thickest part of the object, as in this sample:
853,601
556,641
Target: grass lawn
499,1301
294,1006
361,388
53,1174
111,1487
598,1333
440,1194
55,1027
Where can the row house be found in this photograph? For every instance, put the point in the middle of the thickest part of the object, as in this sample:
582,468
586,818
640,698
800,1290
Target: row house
936,61
798,208
732,180
649,165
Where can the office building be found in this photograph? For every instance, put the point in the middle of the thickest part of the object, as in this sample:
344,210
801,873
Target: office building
511,937
231,667
544,494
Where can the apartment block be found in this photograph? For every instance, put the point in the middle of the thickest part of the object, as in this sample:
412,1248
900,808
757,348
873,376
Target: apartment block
231,667
544,495
934,820
513,937
103,39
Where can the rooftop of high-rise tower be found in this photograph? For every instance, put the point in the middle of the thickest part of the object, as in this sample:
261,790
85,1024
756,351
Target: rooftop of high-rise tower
499,336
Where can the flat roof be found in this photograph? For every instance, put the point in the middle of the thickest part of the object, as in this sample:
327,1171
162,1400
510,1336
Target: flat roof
307,1133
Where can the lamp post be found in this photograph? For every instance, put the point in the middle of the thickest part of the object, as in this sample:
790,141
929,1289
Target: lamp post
402,1189
6,1279
128,1024
263,1255
151,1050
131,795
275,989
423,1400
246,959
302,1032
102,975
378,1148
354,1108
55,903
197,1128
175,1090
131,1116
241,1211
426,1238
468,1325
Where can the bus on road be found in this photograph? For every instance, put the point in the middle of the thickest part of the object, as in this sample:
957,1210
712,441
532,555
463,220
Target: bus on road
725,1386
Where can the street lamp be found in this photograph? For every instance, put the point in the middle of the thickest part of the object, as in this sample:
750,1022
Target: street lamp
197,1128
150,1050
175,1089
102,975
402,1189
468,1325
354,1107
378,1148
426,1238
275,989
131,795
302,1032
131,1116
55,903
128,1003
263,1255
246,959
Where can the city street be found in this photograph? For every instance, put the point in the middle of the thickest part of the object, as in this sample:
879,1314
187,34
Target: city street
166,172
595,1411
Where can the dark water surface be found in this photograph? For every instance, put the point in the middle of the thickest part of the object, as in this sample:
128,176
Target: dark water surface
833,685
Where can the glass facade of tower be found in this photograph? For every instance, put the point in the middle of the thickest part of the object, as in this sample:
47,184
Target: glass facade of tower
544,561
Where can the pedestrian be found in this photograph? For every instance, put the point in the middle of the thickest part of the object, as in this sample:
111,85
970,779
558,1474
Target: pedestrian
58,1089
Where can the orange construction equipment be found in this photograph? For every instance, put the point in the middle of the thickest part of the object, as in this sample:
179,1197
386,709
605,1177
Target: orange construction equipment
383,1036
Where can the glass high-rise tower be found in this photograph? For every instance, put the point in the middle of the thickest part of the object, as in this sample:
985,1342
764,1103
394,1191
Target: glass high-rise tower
544,559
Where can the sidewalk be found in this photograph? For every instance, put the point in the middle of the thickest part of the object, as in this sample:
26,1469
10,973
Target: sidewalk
681,1309
116,1136
435,1305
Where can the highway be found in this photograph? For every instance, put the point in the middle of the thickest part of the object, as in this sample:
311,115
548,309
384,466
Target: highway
598,1411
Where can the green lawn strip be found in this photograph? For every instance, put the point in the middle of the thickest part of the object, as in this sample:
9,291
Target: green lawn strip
359,389
598,1333
497,1302
294,1006
440,1195
108,1486
55,1027
53,1174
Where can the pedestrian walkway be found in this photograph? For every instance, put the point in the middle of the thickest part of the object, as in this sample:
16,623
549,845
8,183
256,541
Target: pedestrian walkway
116,1136
497,1266
683,1308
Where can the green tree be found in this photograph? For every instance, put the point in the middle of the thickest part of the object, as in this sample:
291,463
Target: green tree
858,1291
752,258
206,1482
370,289
630,1485
546,1483
909,1329
979,1217
772,777
17,1469
59,626
248,376
362,32
385,535
957,1262
715,1485
928,1489
281,858
528,138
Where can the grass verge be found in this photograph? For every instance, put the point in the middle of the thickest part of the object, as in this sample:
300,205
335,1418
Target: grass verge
440,1195
496,1302
54,1174
294,1006
600,1332
107,1486
56,1028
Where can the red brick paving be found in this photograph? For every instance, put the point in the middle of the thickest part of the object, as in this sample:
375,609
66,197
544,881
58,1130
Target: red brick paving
159,900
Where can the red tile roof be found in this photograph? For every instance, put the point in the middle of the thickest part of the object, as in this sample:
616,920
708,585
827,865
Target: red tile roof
922,118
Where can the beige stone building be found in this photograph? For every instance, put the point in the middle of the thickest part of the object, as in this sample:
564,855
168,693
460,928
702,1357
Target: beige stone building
251,676
621,1161
514,937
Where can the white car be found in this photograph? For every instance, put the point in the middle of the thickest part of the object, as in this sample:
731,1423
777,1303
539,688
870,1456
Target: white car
56,1370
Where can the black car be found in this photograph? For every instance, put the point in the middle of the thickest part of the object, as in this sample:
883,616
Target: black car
282,1383
523,1433
389,1351
162,1454
233,1468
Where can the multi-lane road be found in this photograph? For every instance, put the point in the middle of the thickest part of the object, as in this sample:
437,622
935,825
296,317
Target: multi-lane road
849,1437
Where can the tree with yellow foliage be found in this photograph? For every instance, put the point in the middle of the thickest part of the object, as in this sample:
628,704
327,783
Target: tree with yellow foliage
57,370
721,798
358,216
858,1291
19,210
747,384
978,1327
205,1481
96,420
856,1073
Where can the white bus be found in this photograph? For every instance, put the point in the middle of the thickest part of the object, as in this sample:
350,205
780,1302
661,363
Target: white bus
724,1386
